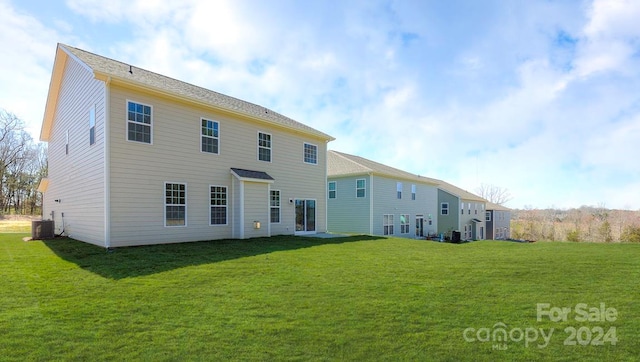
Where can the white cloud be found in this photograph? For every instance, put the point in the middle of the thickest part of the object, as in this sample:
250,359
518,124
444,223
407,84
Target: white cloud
491,97
26,63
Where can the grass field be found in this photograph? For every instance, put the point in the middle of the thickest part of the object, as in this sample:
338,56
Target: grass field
289,298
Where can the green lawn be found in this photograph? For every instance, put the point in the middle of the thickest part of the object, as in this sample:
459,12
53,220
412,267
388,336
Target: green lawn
357,298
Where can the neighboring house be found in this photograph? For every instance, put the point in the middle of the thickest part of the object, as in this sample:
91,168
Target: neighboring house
462,211
498,220
138,158
371,198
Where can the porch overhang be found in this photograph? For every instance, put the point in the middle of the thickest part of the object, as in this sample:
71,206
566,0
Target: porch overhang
251,176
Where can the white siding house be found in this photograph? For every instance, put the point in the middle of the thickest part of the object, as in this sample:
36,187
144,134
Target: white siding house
139,158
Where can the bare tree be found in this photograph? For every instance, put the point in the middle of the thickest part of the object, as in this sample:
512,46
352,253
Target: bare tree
493,193
22,166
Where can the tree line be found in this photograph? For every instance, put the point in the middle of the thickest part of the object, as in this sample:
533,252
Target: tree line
23,164
586,223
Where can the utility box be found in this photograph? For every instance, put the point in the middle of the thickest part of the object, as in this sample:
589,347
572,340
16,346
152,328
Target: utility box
42,229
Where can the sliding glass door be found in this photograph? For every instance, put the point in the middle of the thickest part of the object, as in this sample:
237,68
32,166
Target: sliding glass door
305,216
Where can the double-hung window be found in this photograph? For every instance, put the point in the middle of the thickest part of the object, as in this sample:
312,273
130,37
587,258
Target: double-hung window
360,187
210,136
218,203
444,208
275,206
310,153
264,147
487,216
175,204
387,224
138,122
399,189
413,192
404,224
332,190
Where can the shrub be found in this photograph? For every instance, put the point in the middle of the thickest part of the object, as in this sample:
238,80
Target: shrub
573,235
631,234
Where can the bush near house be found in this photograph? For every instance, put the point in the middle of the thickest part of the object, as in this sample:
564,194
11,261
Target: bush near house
291,298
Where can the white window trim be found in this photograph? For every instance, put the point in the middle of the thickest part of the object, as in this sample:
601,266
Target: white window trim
201,135
413,192
399,190
126,120
279,207
335,190
487,216
388,216
92,124
186,201
442,208
225,206
361,188
303,153
66,144
270,147
407,224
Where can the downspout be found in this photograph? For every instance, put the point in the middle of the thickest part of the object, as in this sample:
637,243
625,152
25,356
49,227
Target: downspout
107,164
326,187
371,198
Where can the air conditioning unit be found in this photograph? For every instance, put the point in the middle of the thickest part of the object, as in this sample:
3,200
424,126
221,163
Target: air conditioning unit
42,229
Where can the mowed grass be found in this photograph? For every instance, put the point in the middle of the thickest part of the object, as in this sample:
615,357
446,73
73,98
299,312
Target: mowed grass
291,298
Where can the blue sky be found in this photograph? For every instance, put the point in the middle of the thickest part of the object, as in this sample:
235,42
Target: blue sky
539,97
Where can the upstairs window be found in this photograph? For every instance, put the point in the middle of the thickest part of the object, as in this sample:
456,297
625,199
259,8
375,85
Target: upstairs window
444,208
360,187
92,125
487,216
413,192
399,189
264,147
210,136
310,153
138,122
332,189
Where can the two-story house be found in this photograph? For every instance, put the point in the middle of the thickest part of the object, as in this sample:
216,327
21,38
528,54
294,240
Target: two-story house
460,211
136,158
368,197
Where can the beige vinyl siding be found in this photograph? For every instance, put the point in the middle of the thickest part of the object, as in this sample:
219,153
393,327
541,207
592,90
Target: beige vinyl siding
77,179
348,213
138,171
256,208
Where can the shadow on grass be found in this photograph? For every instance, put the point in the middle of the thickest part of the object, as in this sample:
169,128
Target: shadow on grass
136,261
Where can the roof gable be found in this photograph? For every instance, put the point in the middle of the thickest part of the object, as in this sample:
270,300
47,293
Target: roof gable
342,164
105,68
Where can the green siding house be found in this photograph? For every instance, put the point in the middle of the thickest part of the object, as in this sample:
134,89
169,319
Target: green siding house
368,197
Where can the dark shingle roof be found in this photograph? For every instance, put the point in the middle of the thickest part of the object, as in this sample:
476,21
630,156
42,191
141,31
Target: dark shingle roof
126,72
256,175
